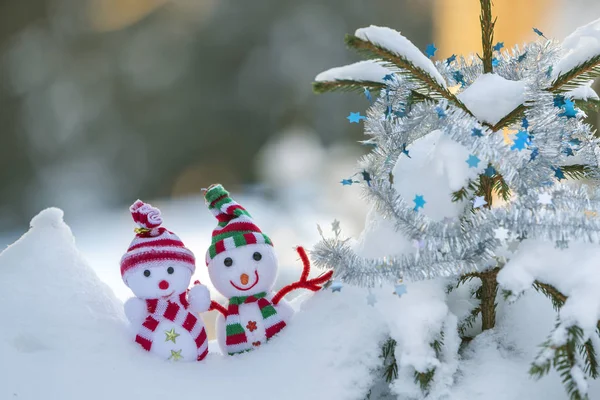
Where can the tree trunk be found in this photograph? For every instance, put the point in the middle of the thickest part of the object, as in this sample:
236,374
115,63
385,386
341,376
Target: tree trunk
489,289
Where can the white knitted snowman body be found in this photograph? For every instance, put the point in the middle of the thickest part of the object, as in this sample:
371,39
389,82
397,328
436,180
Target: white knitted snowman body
242,266
158,268
252,271
169,326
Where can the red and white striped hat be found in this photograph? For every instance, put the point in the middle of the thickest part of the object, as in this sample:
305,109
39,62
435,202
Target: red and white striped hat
153,245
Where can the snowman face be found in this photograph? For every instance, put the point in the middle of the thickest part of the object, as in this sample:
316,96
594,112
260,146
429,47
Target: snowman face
244,271
153,282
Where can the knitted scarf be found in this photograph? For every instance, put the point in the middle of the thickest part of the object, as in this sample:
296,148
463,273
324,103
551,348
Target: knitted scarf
236,340
175,311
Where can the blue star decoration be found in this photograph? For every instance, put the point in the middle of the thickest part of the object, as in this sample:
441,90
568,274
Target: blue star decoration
388,111
459,77
558,174
419,202
400,114
355,117
498,46
405,151
473,161
388,77
440,112
348,182
495,62
534,153
522,57
450,59
476,132
575,142
569,107
539,33
430,50
559,101
490,171
400,289
368,95
525,123
521,140
547,183
568,151
336,286
367,177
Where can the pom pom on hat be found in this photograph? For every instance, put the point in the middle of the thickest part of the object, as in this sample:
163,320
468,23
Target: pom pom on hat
235,227
153,245
146,216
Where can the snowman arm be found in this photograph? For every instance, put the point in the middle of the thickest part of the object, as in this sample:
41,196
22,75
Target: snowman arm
216,306
135,310
285,310
304,282
199,298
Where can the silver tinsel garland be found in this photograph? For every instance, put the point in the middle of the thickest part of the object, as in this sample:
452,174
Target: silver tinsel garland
468,243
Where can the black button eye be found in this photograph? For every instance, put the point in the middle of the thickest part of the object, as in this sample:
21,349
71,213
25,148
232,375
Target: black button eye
146,273
170,270
257,256
228,262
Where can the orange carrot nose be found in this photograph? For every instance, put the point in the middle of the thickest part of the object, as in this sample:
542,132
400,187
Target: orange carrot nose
244,279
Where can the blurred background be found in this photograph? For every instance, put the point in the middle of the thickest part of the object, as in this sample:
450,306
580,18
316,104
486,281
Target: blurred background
106,101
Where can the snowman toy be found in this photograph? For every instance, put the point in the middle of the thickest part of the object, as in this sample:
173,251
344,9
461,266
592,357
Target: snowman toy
157,267
242,266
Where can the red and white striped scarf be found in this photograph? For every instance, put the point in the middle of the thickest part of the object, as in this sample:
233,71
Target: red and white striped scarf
175,311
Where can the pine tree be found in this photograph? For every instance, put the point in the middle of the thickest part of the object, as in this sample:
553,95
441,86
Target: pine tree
532,175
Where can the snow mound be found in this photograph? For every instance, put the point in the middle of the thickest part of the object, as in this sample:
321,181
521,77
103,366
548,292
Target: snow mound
580,46
583,92
424,309
491,97
52,290
393,41
437,167
64,327
49,217
537,260
361,71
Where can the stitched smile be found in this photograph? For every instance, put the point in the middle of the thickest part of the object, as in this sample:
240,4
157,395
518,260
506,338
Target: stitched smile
248,288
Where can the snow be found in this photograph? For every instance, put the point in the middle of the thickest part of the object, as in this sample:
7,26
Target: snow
495,365
537,260
393,41
424,309
380,237
361,71
491,97
580,46
583,92
67,329
436,169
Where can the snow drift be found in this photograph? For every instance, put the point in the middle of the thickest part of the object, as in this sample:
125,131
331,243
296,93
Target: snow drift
64,336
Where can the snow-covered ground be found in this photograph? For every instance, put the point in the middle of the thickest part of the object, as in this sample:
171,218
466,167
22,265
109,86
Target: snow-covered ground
64,337
64,329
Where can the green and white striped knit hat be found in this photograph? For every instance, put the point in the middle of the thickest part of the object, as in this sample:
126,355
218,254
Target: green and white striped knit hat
235,227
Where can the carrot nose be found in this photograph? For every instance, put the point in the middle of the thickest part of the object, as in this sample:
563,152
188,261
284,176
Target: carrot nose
244,279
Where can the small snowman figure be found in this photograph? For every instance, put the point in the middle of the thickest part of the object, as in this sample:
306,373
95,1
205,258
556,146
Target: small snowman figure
157,267
242,266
